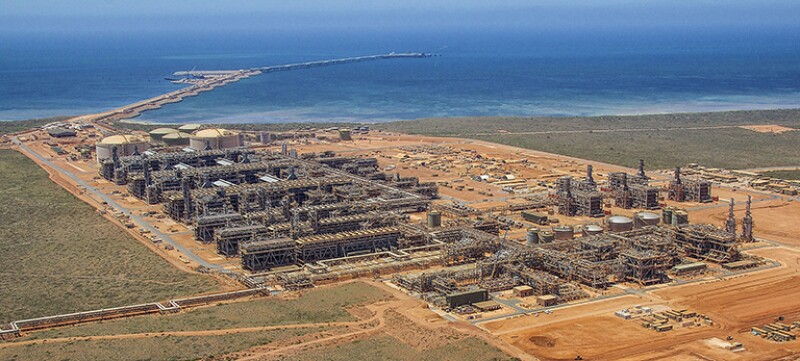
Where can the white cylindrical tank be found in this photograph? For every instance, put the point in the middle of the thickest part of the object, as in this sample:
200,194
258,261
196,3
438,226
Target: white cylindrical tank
216,138
619,224
125,144
532,237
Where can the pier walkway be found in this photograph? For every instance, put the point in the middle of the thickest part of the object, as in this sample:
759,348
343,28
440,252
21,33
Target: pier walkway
207,80
305,65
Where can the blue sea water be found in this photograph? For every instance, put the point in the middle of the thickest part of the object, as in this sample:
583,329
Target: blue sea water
520,74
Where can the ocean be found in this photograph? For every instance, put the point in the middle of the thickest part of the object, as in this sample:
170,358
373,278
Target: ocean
475,74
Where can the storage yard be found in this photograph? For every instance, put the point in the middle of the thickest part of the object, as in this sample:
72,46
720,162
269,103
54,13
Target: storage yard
529,247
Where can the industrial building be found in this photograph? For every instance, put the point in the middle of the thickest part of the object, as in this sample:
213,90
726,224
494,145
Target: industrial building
689,189
61,133
274,210
556,270
579,198
308,215
633,191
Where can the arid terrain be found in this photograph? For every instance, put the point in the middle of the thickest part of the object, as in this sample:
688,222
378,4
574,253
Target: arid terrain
372,318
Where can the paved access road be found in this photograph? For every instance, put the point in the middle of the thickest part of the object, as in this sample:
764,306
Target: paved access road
137,219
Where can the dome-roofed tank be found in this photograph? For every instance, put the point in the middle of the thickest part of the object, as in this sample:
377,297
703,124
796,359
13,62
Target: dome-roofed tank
123,139
216,138
644,219
592,229
619,224
177,139
126,144
190,127
159,133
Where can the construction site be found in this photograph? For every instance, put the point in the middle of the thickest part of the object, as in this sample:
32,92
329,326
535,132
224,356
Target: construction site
482,233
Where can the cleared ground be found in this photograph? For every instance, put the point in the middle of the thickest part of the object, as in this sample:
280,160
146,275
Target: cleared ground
58,255
381,348
775,219
403,330
149,348
352,321
735,305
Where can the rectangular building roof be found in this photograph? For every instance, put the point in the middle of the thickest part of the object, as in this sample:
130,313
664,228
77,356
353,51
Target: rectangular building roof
269,179
689,266
487,305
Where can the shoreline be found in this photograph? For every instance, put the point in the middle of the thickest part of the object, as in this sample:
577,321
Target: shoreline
301,120
136,121
246,119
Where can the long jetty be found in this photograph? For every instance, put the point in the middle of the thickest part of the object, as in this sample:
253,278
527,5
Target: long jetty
211,79
305,65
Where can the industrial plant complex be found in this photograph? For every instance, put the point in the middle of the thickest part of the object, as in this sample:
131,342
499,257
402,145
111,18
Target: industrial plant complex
480,233
296,218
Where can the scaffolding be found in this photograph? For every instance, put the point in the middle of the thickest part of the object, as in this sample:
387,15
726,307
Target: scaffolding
206,225
689,190
646,267
327,246
169,180
454,209
543,283
580,199
118,169
588,203
598,261
464,244
264,255
632,191
229,239
252,197
706,242
266,218
315,225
